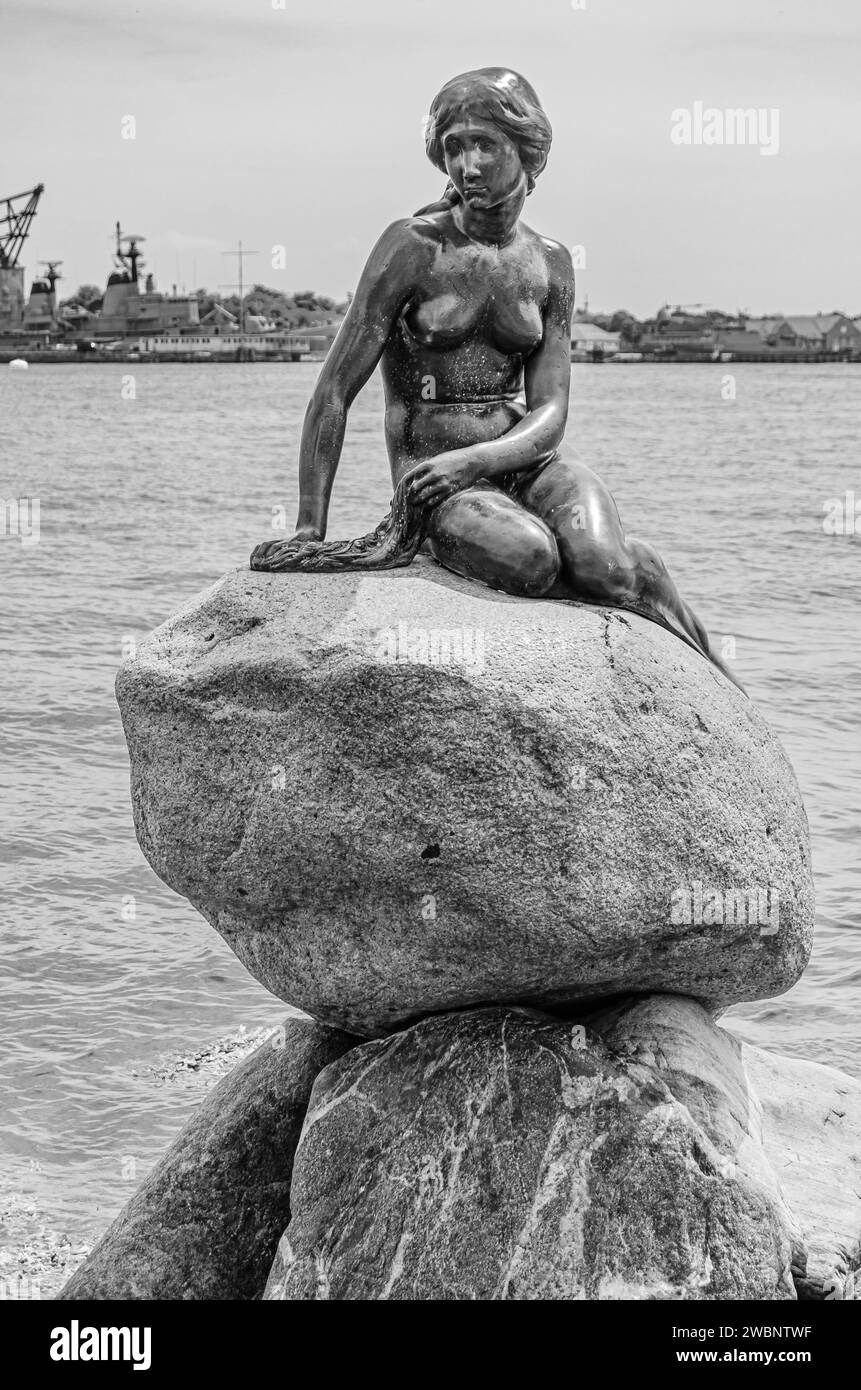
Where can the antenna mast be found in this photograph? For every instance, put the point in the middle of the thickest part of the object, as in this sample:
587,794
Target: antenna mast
240,255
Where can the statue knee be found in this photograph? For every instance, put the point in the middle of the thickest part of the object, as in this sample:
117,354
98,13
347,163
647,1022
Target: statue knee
533,566
500,544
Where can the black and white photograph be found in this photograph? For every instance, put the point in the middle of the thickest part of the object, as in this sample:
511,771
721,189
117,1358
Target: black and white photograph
430,486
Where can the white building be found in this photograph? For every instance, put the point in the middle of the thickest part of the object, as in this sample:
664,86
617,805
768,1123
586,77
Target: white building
589,343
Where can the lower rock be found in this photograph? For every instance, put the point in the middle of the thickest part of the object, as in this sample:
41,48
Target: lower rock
801,1118
812,1136
205,1223
503,1154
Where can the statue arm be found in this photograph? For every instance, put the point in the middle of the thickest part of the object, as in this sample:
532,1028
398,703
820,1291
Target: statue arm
384,288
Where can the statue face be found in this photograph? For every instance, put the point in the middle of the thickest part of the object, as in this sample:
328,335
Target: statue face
481,161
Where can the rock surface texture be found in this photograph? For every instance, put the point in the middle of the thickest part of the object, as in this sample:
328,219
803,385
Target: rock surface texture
503,1154
804,1118
206,1222
812,1136
402,793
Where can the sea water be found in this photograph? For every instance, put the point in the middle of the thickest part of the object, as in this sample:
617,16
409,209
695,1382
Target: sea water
149,482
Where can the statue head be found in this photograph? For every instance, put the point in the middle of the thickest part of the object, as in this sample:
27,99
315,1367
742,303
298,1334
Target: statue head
487,130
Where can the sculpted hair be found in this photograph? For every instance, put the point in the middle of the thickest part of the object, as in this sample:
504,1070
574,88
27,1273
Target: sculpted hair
498,95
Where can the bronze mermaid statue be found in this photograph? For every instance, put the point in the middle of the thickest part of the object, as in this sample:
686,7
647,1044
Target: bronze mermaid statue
468,312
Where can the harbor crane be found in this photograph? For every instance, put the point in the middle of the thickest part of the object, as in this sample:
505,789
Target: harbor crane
16,215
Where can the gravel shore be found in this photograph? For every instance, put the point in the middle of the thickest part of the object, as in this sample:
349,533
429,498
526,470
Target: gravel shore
36,1259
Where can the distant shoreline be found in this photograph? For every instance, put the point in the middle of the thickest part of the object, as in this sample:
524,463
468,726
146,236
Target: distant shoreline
96,359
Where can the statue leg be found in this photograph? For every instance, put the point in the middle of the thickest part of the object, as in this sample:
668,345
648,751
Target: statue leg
484,534
599,562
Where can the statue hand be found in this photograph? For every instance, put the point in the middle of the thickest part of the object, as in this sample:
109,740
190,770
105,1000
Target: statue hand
270,551
437,478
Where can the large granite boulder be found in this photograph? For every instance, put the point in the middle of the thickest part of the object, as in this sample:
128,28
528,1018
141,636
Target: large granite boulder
206,1221
505,1154
402,793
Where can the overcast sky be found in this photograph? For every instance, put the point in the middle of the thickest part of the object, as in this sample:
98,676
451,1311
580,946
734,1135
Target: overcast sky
302,126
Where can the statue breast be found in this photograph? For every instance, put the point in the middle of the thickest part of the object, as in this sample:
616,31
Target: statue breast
452,317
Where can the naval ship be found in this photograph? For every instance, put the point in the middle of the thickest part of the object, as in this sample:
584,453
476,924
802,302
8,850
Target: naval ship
133,323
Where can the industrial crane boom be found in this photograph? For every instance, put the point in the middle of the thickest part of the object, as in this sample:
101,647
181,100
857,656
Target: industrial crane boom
15,224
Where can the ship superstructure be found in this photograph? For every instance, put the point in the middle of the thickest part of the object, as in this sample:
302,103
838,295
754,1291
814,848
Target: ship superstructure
127,310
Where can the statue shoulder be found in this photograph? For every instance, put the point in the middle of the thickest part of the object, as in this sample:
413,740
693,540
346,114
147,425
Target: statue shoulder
400,253
556,257
418,230
408,241
559,260
560,275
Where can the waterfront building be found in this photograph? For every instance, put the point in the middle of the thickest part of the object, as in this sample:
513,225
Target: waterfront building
589,343
830,334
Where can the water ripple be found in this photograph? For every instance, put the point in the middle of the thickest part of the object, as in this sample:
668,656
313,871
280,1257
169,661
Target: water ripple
145,502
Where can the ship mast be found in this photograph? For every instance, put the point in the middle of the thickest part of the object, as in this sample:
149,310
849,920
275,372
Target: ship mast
131,258
240,255
240,258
